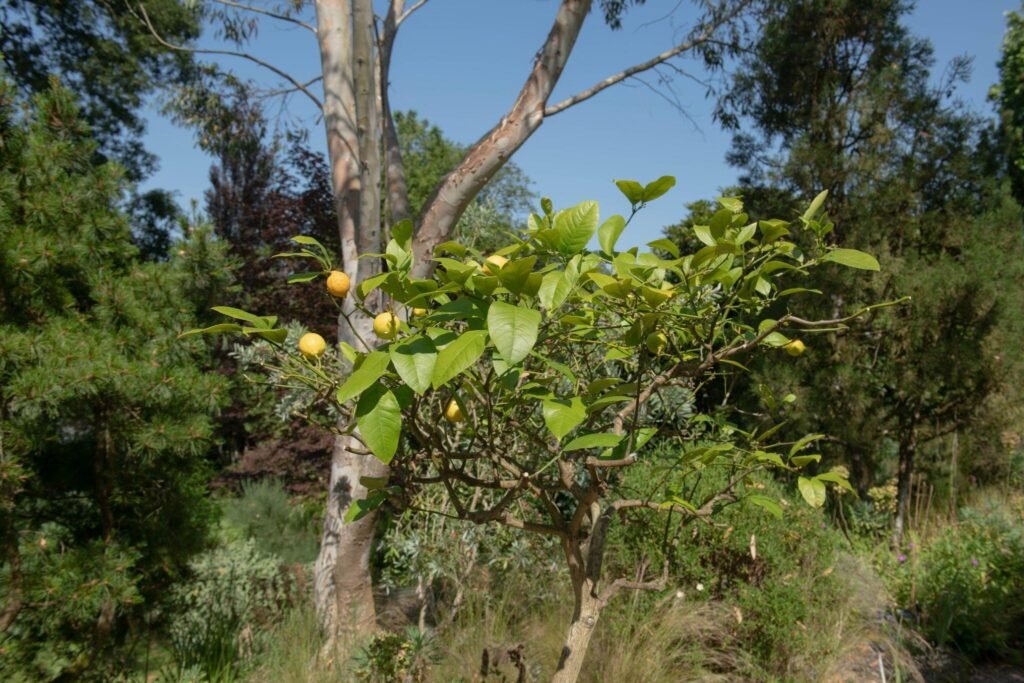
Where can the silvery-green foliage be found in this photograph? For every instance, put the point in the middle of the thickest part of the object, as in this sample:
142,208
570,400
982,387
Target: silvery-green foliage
235,593
259,361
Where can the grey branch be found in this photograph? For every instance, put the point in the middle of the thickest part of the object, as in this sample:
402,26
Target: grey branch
229,53
686,46
267,13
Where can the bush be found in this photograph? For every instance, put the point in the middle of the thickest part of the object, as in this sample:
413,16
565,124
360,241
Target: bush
225,612
966,585
264,514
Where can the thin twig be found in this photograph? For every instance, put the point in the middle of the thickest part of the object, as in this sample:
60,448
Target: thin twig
268,13
228,53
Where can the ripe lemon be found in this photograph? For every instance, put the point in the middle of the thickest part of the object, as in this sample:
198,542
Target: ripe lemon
338,284
453,413
494,263
795,347
312,345
656,342
385,325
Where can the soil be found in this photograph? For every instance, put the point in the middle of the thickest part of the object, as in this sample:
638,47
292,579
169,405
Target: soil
301,460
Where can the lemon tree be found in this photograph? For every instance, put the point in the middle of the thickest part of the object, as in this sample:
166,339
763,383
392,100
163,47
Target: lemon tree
520,382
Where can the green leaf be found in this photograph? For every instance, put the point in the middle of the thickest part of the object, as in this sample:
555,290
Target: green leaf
633,190
836,478
557,285
402,234
767,503
369,371
609,232
665,245
798,446
414,359
239,314
515,274
302,277
276,336
658,187
815,206
562,416
703,233
802,460
812,490
359,508
734,204
852,258
220,328
379,418
513,330
373,482
372,283
602,440
458,356
575,227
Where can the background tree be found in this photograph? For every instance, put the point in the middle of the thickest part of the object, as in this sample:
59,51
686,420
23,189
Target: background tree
101,52
838,95
105,418
367,172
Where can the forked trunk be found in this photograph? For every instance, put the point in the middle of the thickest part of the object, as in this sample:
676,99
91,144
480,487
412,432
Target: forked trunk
585,614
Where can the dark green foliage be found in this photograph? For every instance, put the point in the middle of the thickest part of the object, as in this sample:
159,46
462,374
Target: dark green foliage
264,514
1009,97
837,95
104,53
105,415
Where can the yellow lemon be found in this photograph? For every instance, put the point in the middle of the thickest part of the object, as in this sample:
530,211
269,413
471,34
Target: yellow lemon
656,342
795,347
494,263
385,325
453,413
312,345
417,312
338,284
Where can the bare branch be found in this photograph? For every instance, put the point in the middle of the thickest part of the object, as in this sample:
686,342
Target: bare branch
228,53
686,46
267,13
415,6
657,584
623,462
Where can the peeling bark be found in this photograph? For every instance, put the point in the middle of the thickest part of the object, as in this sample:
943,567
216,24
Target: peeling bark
490,153
342,583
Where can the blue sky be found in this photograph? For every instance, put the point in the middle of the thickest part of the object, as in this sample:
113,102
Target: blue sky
460,64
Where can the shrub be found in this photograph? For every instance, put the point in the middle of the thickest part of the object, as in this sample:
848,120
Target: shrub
264,514
966,585
223,614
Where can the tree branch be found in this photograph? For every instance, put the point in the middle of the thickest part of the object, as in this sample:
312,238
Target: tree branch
407,13
228,53
703,37
485,158
268,13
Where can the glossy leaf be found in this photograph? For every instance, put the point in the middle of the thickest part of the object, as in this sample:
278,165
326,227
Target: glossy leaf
458,356
513,330
379,418
414,359
369,371
562,416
